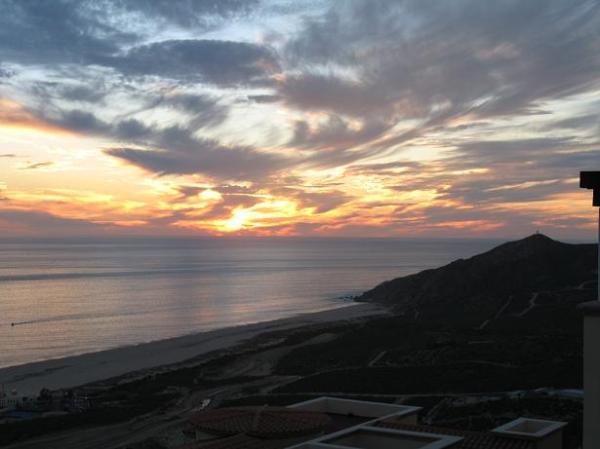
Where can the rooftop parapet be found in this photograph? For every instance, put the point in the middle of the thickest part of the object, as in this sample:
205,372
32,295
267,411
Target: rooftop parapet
366,409
367,437
545,434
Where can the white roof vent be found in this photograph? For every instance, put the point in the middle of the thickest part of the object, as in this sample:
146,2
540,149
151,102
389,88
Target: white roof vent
545,434
366,437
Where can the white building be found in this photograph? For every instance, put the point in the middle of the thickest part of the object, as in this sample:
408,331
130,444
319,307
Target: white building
9,401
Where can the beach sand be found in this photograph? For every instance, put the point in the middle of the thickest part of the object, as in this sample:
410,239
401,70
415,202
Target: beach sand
77,370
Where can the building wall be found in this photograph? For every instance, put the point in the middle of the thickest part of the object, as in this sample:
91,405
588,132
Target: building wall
553,441
591,382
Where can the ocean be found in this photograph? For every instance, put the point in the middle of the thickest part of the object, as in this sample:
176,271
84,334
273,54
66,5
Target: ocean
67,297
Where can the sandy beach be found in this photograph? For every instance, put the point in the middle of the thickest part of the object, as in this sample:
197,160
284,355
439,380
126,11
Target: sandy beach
85,368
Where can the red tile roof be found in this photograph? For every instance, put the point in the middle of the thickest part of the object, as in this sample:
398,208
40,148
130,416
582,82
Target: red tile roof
237,442
263,422
472,440
274,427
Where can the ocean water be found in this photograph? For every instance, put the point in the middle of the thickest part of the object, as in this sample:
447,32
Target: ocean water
72,296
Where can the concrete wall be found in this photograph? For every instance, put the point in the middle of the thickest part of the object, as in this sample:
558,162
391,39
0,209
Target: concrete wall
364,409
553,441
591,379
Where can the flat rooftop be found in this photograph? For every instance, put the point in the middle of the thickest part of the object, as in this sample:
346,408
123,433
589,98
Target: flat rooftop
358,424
355,408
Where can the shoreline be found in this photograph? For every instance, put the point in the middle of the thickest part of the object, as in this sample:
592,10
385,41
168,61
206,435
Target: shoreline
77,370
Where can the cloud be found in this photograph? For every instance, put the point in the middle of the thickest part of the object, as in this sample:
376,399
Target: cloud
37,165
85,34
82,93
420,58
335,132
15,115
202,156
330,93
323,202
189,13
331,142
81,121
202,110
224,208
5,73
580,121
15,222
499,172
264,98
489,152
405,71
212,61
69,31
175,150
387,168
205,109
38,32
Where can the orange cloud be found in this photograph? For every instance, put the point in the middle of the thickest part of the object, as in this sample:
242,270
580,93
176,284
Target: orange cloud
342,205
14,116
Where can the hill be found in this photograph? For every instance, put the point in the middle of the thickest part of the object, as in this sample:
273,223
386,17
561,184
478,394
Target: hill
512,280
500,321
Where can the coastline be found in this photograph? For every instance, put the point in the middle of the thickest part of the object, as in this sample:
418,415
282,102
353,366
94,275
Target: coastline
73,371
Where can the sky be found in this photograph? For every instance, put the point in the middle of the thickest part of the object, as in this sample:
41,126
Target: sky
345,118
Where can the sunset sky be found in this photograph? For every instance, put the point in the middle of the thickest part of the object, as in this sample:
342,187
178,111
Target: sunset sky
462,118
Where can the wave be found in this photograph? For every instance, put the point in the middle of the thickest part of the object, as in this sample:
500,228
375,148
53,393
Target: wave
78,275
169,271
86,316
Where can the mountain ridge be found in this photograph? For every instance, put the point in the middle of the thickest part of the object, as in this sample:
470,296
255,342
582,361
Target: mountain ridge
508,274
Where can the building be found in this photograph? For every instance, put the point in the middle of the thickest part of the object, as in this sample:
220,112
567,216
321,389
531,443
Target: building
9,401
354,424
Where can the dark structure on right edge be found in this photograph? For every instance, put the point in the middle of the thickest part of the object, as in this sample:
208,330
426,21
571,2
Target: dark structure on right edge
591,340
591,180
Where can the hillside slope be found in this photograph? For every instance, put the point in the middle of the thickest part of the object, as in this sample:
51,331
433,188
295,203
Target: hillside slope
511,280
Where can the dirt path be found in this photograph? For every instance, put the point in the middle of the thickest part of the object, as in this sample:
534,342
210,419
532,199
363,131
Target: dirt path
532,304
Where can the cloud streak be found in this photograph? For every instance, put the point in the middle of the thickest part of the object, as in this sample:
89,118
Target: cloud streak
212,61
37,165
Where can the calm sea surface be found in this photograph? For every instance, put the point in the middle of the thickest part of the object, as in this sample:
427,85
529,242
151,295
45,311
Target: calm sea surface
71,297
